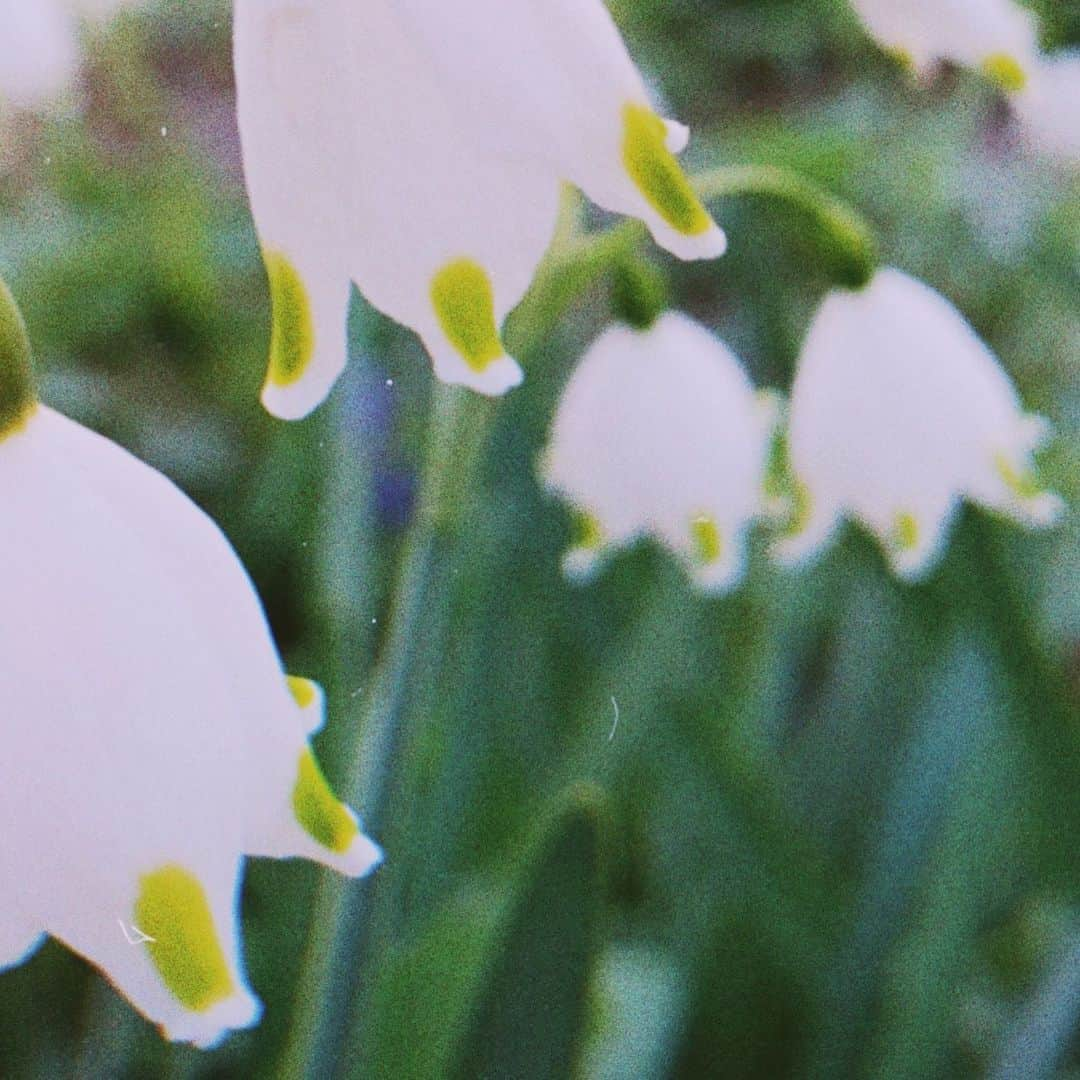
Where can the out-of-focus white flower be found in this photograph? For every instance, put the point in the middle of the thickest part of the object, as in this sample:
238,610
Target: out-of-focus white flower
897,413
39,46
1048,106
418,150
660,432
151,739
999,38
995,35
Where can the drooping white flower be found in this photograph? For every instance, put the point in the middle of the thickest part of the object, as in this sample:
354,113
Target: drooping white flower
372,155
660,432
1048,105
39,46
897,413
151,739
998,36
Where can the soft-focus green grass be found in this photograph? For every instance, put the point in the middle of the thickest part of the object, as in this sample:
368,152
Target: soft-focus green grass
834,833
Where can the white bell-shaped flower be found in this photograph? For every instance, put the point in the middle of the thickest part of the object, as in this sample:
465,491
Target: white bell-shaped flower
898,412
151,737
1048,106
996,35
39,46
370,159
660,432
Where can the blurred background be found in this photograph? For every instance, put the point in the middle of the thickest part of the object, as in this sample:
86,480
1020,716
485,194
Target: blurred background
834,831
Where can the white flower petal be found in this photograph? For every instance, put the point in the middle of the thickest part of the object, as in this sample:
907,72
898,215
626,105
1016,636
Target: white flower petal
40,54
169,944
660,432
1049,105
996,34
899,411
19,938
157,740
815,522
551,82
310,700
358,167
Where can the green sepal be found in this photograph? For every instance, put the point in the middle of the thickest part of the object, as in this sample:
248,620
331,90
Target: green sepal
639,292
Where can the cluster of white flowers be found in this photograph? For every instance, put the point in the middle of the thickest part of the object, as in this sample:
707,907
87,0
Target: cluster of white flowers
997,37
897,413
417,149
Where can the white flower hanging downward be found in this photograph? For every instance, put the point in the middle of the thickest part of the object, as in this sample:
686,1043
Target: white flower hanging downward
39,46
898,412
660,433
1048,105
371,155
999,38
151,739
995,35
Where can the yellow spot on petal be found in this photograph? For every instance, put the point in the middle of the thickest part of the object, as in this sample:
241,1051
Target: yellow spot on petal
903,57
905,531
304,691
1006,71
657,173
587,530
17,398
173,910
292,338
1023,483
320,814
16,421
464,302
707,539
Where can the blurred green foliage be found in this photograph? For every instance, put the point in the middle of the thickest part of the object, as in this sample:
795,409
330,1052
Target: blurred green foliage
834,830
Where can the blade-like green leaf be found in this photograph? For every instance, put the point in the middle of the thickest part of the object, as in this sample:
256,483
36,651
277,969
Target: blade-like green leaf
495,984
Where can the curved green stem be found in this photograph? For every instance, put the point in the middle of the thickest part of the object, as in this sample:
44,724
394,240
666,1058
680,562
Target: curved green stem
370,749
842,237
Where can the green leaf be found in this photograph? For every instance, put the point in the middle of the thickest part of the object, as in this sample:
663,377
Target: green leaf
496,983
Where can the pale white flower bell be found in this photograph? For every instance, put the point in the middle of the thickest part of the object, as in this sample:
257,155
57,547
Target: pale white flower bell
418,149
897,413
39,46
151,737
1048,105
660,432
998,36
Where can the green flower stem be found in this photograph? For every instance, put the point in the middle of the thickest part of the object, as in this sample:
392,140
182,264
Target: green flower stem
434,512
371,748
843,238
